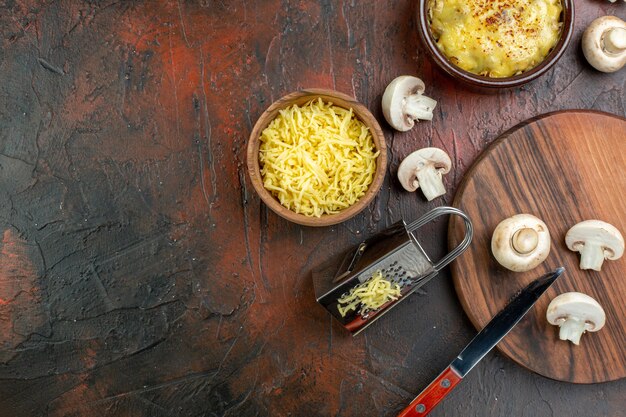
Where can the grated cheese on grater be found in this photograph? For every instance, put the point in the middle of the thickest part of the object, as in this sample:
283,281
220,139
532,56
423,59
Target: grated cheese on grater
317,159
370,295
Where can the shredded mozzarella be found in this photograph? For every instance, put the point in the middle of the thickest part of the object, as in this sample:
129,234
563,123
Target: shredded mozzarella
370,295
317,159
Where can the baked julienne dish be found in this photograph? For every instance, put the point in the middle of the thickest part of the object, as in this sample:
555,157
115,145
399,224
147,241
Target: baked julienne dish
495,38
317,158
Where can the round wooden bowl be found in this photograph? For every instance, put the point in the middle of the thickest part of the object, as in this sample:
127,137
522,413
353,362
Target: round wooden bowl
480,81
299,98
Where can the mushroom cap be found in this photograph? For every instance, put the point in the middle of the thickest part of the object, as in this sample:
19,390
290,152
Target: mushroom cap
578,305
421,159
521,242
394,100
602,32
598,233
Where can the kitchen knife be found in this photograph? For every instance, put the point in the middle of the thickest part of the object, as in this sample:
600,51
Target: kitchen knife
485,340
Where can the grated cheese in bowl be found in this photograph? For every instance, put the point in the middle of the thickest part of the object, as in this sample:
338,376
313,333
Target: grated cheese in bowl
317,158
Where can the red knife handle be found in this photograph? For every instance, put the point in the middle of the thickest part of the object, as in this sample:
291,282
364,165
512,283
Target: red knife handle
432,395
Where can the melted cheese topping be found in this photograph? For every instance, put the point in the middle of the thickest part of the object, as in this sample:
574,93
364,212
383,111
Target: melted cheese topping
496,38
317,159
370,295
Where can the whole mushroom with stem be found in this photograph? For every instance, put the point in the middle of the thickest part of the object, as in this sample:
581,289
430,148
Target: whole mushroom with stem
521,242
424,169
404,103
575,313
596,241
604,43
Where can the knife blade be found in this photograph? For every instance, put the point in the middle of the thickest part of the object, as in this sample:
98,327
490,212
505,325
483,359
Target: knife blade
499,326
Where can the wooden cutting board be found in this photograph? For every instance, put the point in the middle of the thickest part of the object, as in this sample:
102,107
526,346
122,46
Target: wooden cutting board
563,167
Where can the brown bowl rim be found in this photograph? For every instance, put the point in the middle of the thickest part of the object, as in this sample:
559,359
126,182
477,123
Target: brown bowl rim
481,81
362,113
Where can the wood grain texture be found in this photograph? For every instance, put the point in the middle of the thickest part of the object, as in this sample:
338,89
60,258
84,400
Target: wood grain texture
156,281
564,168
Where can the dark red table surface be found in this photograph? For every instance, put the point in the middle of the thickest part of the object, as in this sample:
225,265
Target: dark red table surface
139,273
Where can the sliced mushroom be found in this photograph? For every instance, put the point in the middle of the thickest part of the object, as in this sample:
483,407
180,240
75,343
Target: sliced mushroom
521,242
596,241
575,313
424,169
403,103
604,43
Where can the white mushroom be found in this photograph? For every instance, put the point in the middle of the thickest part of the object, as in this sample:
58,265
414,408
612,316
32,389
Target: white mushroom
424,169
521,242
403,103
596,241
604,43
575,313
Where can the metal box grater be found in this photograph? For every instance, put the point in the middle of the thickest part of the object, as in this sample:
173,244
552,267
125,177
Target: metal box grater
397,254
